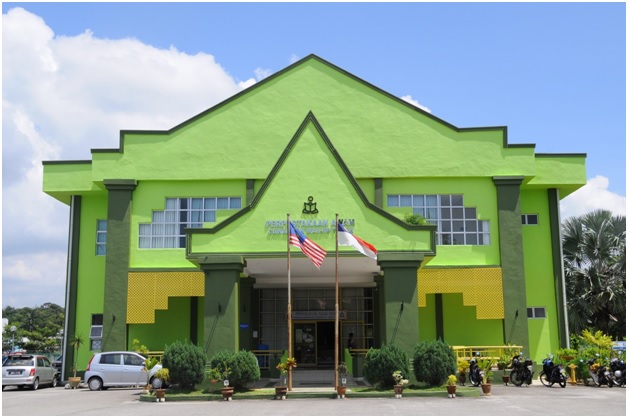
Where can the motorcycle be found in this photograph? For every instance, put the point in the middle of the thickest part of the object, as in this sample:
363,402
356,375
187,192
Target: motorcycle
618,369
600,374
521,370
475,376
552,373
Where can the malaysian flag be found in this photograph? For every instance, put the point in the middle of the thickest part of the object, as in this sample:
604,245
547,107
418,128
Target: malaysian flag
311,249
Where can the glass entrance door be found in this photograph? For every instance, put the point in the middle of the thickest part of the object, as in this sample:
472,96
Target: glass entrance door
305,343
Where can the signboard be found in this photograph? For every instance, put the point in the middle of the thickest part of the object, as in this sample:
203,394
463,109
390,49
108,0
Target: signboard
318,315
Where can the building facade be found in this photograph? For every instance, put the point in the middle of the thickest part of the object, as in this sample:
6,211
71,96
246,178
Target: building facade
181,234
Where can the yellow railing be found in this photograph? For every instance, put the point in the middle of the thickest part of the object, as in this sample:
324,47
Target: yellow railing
156,354
264,356
488,351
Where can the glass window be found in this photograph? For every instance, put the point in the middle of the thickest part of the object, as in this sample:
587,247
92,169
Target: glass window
536,312
448,212
101,237
110,358
530,219
167,229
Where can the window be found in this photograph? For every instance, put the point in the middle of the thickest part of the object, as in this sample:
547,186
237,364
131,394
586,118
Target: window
530,219
536,313
457,224
95,333
110,359
101,237
167,228
132,360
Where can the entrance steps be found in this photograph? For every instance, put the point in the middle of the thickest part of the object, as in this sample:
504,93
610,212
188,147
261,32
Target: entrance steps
310,378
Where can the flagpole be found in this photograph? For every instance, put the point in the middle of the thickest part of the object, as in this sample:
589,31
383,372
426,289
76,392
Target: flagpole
336,320
289,309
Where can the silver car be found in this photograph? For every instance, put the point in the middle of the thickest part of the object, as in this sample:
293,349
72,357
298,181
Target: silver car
115,368
28,370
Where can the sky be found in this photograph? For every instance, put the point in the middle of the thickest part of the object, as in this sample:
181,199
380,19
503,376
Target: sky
75,74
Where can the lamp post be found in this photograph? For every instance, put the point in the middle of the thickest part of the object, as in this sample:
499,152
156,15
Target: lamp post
13,329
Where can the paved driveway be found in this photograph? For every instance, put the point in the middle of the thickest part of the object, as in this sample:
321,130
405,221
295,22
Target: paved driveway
535,400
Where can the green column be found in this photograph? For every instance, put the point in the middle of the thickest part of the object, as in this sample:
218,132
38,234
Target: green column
71,284
400,307
246,308
558,268
511,254
117,262
221,313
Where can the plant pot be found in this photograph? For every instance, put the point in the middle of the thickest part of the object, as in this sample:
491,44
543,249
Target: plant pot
341,391
160,395
451,391
398,391
462,378
227,393
505,379
486,389
281,392
74,382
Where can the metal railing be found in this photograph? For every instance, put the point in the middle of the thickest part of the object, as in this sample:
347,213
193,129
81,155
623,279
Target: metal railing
264,357
494,352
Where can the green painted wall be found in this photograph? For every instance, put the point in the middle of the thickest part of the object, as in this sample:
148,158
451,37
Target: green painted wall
540,289
463,328
170,325
427,320
91,272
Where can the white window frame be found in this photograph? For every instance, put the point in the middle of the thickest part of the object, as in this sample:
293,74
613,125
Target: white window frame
101,237
526,217
167,227
456,223
534,314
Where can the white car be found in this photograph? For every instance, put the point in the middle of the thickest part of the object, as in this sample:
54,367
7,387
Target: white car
116,368
28,370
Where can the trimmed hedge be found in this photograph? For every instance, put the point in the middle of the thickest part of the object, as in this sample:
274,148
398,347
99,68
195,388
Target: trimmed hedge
242,365
433,362
186,363
380,364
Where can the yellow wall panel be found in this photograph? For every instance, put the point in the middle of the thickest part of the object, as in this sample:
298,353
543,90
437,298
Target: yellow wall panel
149,291
480,287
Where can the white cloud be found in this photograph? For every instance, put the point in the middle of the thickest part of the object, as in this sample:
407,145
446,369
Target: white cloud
261,73
293,58
61,97
594,195
410,100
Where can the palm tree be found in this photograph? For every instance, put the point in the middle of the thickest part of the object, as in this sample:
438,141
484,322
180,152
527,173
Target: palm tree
594,250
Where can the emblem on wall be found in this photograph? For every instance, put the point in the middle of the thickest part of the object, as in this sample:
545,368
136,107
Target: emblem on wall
309,207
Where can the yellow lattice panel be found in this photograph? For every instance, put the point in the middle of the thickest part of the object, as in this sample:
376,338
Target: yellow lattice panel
480,287
149,291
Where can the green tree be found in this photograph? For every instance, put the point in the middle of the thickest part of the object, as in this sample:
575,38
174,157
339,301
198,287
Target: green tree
594,249
40,325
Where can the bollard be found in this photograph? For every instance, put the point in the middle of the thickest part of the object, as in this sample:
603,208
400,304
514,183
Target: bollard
573,374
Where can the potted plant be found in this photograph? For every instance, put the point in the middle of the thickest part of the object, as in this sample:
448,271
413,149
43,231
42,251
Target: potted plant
341,390
281,391
485,365
223,374
566,354
463,365
400,382
164,375
451,386
76,342
149,363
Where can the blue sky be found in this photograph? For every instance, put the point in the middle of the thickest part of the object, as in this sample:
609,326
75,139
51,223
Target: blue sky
75,74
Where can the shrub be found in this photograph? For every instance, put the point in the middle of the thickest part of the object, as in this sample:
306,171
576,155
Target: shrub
433,362
186,363
242,366
380,364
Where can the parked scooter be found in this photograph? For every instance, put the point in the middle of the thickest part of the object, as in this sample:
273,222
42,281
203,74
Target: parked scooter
521,370
618,369
552,373
600,374
475,377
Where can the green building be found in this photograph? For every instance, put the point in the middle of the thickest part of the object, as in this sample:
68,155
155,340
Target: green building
181,234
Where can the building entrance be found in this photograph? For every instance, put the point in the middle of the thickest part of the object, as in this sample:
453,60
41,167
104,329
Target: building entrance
314,343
